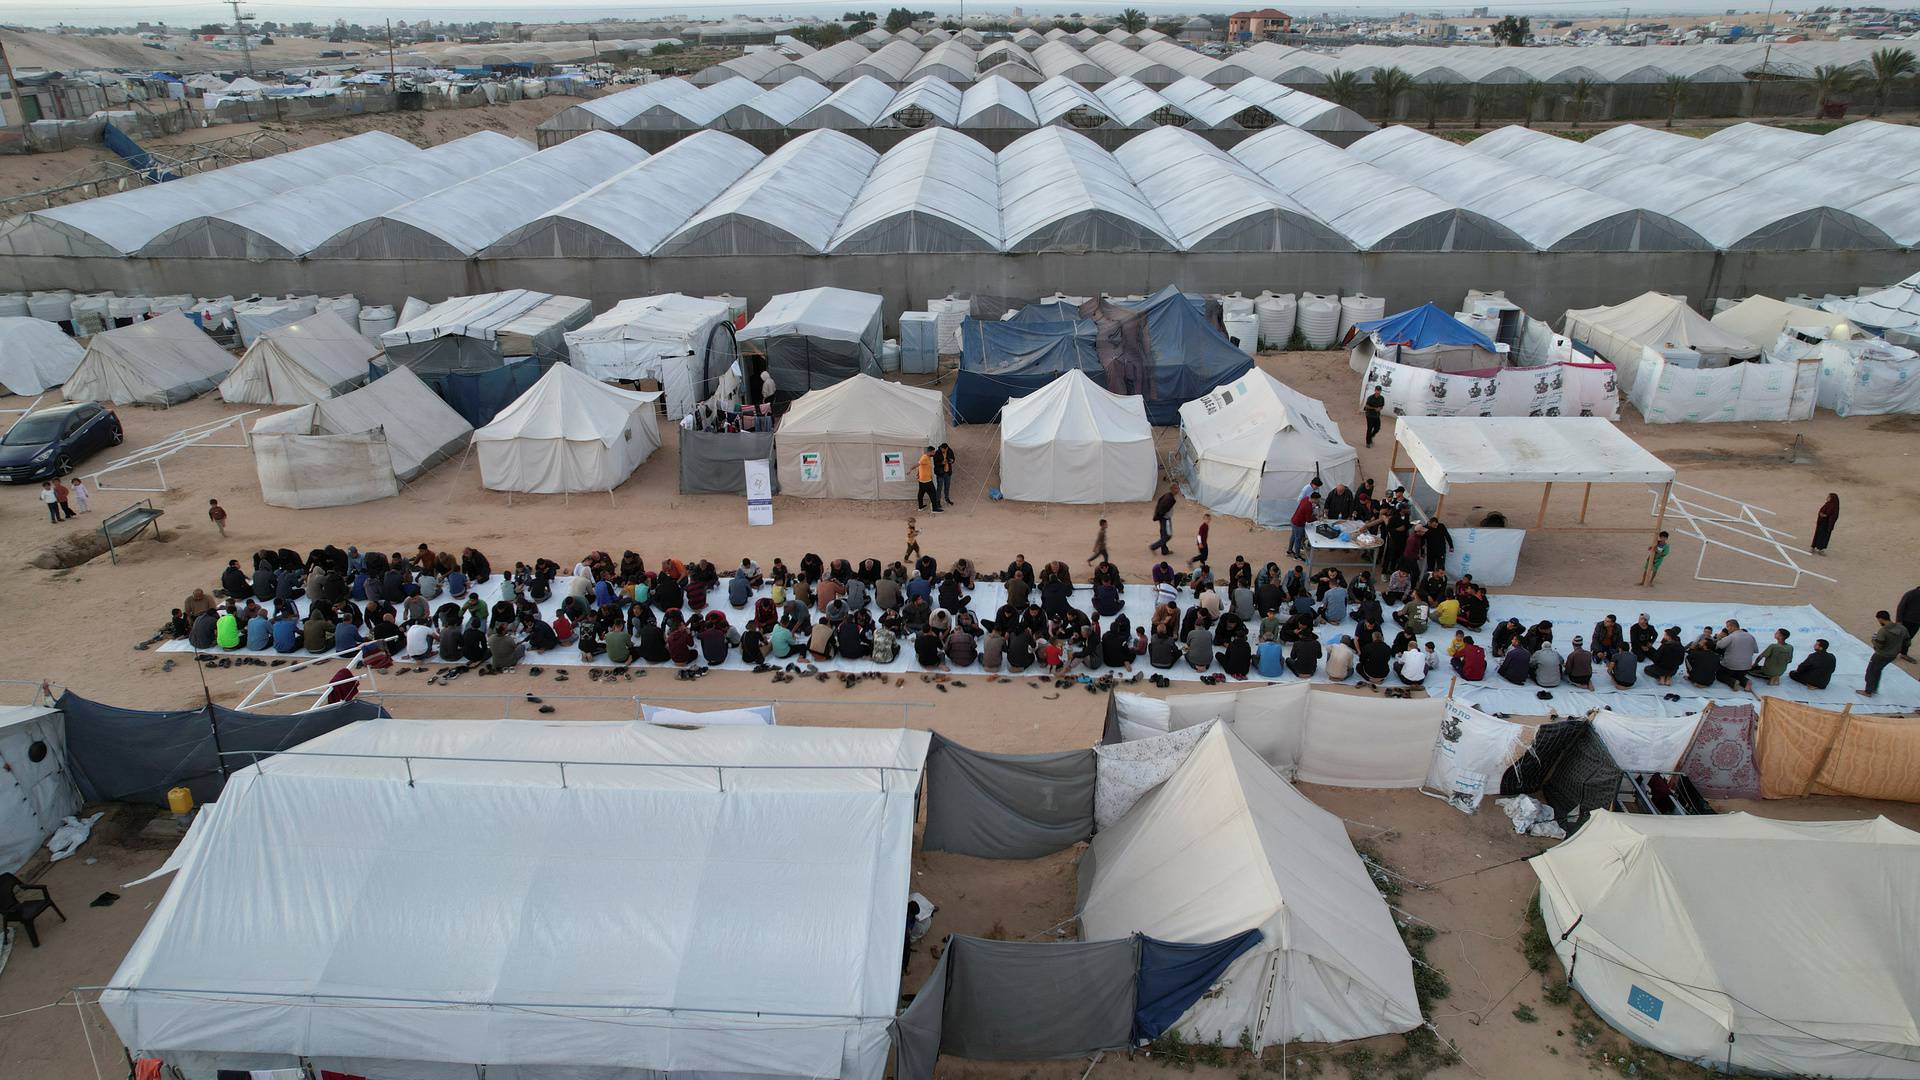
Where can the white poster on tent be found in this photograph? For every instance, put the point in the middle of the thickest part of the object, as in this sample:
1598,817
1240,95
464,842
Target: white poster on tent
759,491
810,468
893,466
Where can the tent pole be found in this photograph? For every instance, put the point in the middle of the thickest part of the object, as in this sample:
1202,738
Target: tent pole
1545,494
1584,499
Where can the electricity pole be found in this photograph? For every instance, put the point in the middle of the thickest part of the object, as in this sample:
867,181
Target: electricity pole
240,28
390,82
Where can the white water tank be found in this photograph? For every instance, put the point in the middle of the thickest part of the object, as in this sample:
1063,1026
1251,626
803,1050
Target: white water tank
889,356
948,311
1359,308
1244,329
125,310
53,306
377,320
90,312
1235,304
347,307
14,304
176,302
1318,319
1275,312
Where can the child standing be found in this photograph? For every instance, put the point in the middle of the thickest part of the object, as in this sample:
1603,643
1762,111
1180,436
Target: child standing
80,495
913,541
218,515
1656,555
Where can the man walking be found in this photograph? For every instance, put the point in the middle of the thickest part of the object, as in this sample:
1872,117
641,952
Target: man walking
1099,545
1374,403
1200,540
943,472
927,488
1887,643
1163,516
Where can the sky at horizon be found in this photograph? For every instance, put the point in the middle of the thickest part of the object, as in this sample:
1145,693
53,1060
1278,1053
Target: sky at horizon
196,12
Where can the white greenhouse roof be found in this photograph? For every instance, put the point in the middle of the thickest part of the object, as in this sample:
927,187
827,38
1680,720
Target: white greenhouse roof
1054,99
778,107
1058,190
937,191
936,98
789,203
1449,450
1213,107
996,103
1212,202
858,104
1133,104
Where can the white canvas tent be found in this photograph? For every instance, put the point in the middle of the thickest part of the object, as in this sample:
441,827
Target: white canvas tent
1760,319
684,342
1249,446
356,447
568,432
1226,845
162,361
1866,376
1659,322
858,439
680,904
36,790
1811,973
35,355
300,363
1071,441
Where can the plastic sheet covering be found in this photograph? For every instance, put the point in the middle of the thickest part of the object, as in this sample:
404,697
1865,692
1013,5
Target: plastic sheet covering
790,203
1006,806
1029,1001
815,339
1585,779
1868,378
304,471
1896,307
1213,202
1249,446
1126,771
1666,393
1551,741
1720,761
1473,750
35,795
479,396
1525,450
1646,743
484,331
1656,321
136,755
416,431
1226,845
916,1031
1550,390
162,361
35,355
1059,191
1173,975
254,317
855,105
1806,750
711,463
937,191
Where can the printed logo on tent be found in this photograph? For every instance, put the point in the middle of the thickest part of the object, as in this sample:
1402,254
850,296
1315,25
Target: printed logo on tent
893,465
1644,1003
810,470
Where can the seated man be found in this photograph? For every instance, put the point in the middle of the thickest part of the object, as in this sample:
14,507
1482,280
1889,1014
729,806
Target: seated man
1517,665
1817,669
1376,661
1162,651
1341,657
1547,665
1411,665
1579,665
1305,657
1470,663
1772,662
1200,647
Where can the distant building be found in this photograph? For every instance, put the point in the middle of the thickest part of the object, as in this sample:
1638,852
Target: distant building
1196,29
1263,25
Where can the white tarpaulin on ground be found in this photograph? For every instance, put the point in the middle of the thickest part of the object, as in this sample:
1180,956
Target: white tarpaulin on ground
684,342
1659,322
1548,390
1249,446
1450,450
1472,752
35,355
568,432
300,363
858,439
36,791
1072,441
1778,948
1226,845
356,447
1646,743
162,361
723,901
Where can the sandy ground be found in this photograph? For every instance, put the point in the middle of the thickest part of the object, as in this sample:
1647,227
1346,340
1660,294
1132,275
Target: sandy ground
78,628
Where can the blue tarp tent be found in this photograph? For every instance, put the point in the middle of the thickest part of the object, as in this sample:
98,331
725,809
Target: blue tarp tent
1166,348
1422,327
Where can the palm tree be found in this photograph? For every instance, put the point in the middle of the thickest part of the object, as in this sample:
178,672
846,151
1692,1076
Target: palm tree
1673,92
1436,96
1479,103
1343,88
1389,85
1133,20
1579,93
1889,67
1532,92
1829,81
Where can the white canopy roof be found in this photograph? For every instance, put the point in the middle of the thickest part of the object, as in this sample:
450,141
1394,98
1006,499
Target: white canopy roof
568,432
1896,307
35,355
485,315
1451,450
1657,321
1073,441
1226,845
827,313
300,363
725,900
162,361
1813,961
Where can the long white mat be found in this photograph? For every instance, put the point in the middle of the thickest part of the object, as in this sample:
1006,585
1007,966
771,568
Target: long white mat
1570,616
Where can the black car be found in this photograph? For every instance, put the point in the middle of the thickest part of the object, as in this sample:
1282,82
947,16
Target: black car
48,443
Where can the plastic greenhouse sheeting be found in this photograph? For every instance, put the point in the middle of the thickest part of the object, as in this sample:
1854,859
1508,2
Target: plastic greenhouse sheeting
686,343
306,361
937,191
135,755
817,338
1868,377
1006,806
1059,191
1896,307
1548,390
1164,348
1213,202
163,361
568,432
1073,442
35,355
789,204
711,463
758,932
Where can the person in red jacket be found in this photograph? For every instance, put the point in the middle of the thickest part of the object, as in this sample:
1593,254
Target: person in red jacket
1304,514
1470,663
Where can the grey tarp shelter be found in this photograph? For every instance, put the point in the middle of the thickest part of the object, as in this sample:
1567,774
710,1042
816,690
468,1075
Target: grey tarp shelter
479,333
811,340
711,462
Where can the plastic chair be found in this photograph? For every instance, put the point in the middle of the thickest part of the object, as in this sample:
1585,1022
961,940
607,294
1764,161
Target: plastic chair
15,910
